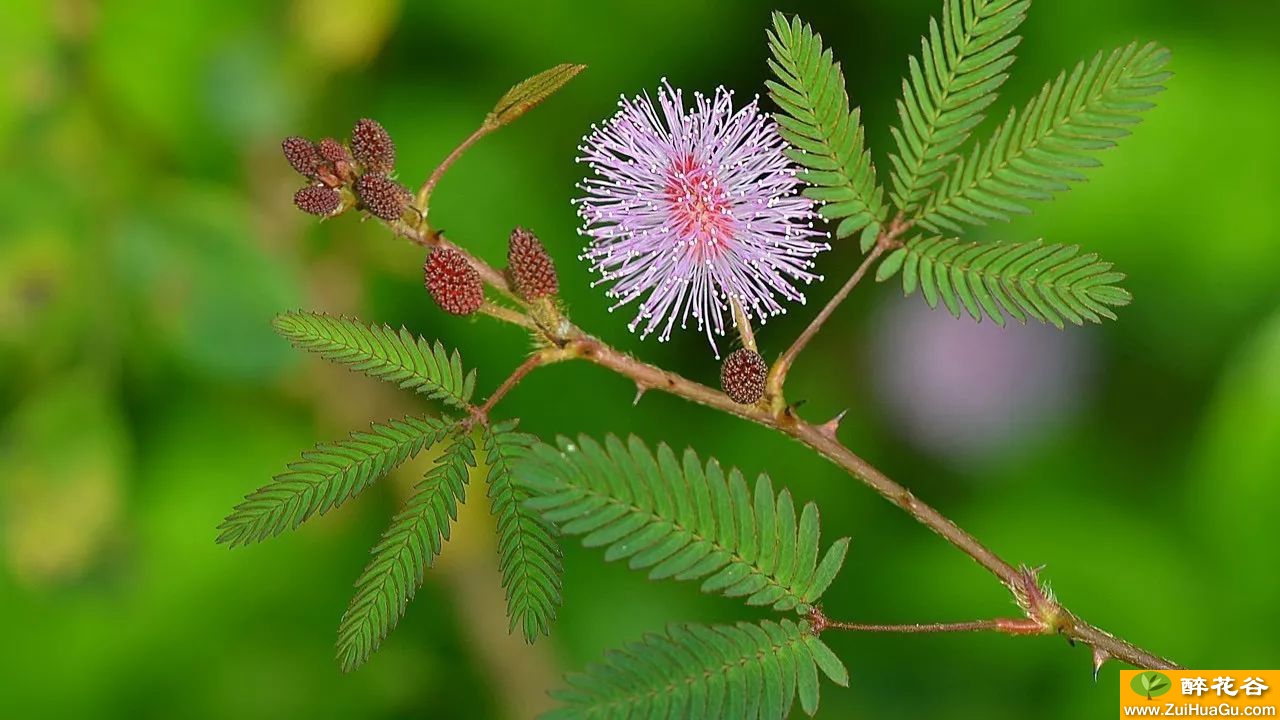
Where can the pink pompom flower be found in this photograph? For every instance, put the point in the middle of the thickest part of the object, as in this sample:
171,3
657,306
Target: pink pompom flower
688,209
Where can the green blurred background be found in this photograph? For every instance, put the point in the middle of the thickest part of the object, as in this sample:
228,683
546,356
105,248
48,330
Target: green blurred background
147,238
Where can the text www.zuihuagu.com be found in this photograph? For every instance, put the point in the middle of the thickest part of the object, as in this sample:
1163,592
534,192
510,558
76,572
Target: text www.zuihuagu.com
1179,710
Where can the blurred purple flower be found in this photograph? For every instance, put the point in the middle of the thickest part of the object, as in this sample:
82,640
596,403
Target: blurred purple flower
688,209
970,391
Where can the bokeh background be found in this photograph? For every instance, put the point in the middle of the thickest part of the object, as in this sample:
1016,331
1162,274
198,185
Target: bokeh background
147,238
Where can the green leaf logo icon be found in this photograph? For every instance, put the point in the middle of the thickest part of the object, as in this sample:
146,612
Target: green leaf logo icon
1150,684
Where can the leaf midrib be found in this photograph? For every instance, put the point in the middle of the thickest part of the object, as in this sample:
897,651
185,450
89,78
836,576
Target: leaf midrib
1055,129
933,128
1001,277
790,590
312,332
827,133
381,578
516,508
691,680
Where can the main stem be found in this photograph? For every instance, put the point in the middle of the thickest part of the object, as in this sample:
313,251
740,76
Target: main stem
1009,626
1041,608
1039,605
1044,615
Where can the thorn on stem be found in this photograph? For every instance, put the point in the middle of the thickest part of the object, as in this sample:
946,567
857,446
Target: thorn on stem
1100,656
830,427
640,391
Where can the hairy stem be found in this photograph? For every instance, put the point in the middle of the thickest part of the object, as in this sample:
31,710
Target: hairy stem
1009,626
778,373
512,380
887,239
424,193
506,314
1042,609
743,324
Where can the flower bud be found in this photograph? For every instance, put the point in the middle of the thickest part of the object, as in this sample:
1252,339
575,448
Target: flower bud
742,376
382,196
452,282
373,147
318,200
532,271
302,155
338,159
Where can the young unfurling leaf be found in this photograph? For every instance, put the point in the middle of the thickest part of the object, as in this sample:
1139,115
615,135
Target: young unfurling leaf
525,95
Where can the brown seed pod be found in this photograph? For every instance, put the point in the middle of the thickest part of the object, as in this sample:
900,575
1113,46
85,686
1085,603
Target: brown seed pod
532,271
302,155
382,196
318,200
742,376
452,282
372,146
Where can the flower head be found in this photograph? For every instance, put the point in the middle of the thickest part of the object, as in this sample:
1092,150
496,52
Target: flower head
688,210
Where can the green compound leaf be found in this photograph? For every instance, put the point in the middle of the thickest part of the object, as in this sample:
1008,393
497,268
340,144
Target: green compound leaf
525,95
742,671
380,352
1041,151
826,136
683,519
528,555
961,65
1050,283
402,555
327,476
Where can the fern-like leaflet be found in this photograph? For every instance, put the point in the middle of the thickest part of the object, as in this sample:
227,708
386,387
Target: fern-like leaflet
528,555
1040,151
694,671
327,476
827,136
404,552
962,63
380,352
684,520
1050,283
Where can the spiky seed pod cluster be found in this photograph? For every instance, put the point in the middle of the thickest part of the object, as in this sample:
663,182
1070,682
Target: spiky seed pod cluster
743,375
361,174
531,269
453,283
